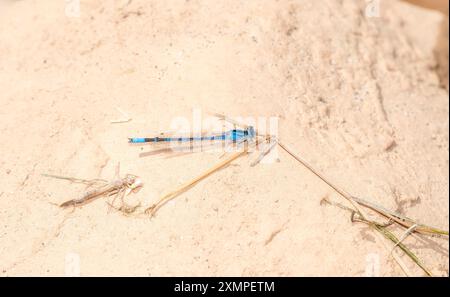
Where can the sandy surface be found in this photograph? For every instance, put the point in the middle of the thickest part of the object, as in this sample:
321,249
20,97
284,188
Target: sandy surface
364,99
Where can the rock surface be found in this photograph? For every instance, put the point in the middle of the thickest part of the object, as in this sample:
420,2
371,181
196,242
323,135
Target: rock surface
360,92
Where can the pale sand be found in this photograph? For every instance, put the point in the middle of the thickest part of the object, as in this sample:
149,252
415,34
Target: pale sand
365,100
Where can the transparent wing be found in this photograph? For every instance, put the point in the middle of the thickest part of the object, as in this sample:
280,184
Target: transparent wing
190,148
174,142
268,146
177,148
229,120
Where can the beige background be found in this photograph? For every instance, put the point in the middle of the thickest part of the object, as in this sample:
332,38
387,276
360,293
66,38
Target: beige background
363,99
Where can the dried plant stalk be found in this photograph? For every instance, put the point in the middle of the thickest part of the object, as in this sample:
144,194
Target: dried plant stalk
154,208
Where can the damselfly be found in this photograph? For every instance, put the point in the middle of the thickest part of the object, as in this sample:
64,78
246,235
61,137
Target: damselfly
235,135
247,136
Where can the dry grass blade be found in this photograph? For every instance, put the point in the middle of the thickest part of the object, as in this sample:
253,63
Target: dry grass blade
118,187
382,229
401,220
389,235
271,143
154,208
76,180
405,235
397,243
349,198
